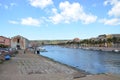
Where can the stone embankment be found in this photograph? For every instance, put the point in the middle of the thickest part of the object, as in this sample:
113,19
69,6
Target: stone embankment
114,49
29,66
103,48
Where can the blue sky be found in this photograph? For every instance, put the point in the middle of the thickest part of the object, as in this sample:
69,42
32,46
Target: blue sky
59,19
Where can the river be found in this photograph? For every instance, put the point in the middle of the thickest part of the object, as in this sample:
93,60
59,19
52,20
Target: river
94,62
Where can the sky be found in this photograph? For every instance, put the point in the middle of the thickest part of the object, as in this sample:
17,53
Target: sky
59,19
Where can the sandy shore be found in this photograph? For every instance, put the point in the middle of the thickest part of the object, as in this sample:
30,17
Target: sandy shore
31,66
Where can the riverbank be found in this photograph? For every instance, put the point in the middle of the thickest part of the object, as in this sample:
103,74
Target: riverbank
31,66
110,49
101,77
102,48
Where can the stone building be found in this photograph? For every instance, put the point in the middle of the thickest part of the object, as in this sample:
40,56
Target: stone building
19,42
5,41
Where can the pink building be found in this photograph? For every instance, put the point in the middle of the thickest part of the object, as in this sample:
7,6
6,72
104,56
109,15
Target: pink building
5,41
76,40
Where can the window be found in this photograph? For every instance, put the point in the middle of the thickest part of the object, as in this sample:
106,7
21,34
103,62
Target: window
18,41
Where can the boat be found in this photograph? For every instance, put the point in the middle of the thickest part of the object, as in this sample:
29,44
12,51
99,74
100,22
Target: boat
42,49
7,57
116,50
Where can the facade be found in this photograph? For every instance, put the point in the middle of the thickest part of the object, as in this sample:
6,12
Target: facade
117,43
111,40
5,41
19,42
116,35
102,37
113,35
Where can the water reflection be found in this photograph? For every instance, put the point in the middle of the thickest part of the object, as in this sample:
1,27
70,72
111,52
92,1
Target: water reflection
90,61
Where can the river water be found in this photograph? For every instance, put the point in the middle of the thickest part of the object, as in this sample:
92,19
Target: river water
90,61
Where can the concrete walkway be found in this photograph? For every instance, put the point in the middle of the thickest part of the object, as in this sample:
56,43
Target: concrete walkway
100,77
31,66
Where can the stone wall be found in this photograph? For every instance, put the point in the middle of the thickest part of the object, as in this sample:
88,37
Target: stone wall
19,42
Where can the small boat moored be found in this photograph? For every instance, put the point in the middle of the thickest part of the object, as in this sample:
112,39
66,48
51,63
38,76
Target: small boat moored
42,49
116,50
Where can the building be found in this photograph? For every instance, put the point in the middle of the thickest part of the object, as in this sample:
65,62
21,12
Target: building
19,42
116,40
102,37
5,41
115,35
76,40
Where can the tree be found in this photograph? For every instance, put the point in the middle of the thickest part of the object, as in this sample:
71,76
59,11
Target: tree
42,43
114,39
3,46
109,42
100,42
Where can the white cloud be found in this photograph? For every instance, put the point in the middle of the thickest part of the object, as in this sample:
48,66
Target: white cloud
30,21
41,3
6,6
27,21
70,13
114,21
13,22
114,12
111,2
13,4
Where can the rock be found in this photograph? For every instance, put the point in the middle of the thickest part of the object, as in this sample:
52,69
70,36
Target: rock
78,75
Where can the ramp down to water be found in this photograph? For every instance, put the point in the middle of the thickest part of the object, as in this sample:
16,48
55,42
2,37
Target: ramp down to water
31,66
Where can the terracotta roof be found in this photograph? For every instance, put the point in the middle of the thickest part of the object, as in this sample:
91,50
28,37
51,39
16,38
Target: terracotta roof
4,37
76,39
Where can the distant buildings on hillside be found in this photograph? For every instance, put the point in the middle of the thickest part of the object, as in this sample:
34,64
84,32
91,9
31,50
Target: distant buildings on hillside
76,40
19,42
105,37
111,40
